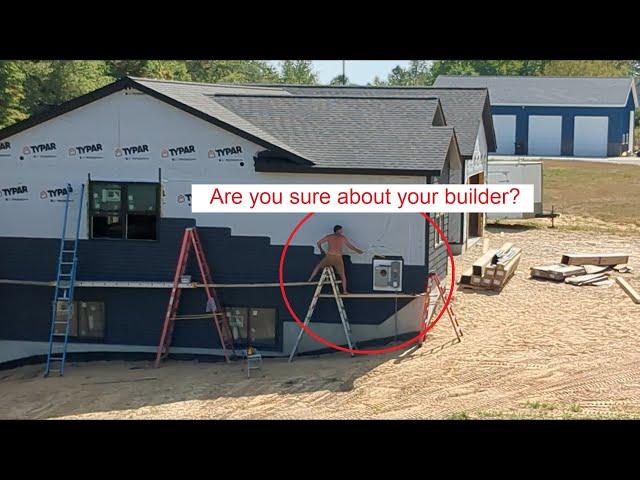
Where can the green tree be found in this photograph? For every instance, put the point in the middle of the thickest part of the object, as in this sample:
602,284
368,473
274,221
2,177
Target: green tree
12,93
71,78
378,82
487,67
166,70
340,80
417,73
424,72
298,71
589,68
232,71
48,83
123,68
162,69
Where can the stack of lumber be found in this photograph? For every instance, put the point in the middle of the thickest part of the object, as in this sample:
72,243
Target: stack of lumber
561,272
589,269
557,271
492,270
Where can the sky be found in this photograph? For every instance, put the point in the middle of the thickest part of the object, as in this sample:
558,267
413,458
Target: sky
359,72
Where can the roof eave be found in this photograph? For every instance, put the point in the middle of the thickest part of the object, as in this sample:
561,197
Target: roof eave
266,167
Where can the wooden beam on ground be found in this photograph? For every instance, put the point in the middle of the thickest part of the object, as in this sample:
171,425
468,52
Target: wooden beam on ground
610,259
557,272
480,265
465,278
628,289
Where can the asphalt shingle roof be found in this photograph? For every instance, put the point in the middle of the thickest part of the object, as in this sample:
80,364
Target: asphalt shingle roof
347,132
463,108
200,96
553,91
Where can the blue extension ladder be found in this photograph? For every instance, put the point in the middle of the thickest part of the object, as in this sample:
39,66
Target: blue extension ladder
62,308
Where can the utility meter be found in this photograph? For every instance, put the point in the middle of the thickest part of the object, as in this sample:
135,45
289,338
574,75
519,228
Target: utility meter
387,274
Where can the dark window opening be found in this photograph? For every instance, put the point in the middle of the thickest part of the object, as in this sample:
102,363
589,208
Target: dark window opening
124,210
106,226
141,227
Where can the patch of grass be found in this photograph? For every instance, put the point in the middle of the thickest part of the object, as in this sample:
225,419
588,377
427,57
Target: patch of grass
459,416
574,407
540,406
603,191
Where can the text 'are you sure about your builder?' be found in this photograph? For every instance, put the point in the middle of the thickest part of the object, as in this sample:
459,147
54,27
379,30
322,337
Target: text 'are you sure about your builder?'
362,198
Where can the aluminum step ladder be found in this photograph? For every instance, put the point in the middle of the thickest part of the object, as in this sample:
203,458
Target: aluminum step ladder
327,276
62,305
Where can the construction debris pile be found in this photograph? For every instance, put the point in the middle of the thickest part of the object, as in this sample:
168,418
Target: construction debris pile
492,270
596,269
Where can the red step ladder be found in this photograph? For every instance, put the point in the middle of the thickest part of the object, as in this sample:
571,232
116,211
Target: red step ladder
434,279
214,308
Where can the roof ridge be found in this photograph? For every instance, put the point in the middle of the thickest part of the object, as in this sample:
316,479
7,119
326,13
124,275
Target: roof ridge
186,82
372,87
339,97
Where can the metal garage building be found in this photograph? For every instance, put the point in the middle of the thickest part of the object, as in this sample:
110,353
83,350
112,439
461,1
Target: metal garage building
558,116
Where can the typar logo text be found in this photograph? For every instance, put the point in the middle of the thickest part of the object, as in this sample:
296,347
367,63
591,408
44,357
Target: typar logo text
5,149
184,198
179,153
227,154
15,193
133,152
42,150
55,194
93,151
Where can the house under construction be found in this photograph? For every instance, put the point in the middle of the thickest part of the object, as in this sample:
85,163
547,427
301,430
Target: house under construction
134,148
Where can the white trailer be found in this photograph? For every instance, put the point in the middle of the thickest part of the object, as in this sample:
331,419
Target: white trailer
517,171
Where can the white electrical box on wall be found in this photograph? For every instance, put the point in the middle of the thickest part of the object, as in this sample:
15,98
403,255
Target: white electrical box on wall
387,275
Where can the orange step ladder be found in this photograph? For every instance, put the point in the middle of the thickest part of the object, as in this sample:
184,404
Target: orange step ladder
215,310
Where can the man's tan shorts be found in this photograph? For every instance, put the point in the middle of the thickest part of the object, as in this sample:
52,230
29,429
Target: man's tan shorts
335,261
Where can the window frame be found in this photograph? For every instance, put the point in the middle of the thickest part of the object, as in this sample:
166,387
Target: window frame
437,240
123,212
74,331
242,342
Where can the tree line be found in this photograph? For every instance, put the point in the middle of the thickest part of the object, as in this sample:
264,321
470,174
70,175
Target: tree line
31,87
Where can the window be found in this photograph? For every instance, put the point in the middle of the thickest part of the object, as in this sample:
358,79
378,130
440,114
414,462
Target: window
87,319
439,219
260,321
124,210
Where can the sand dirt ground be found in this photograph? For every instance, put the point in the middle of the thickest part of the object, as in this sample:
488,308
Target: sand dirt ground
536,350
